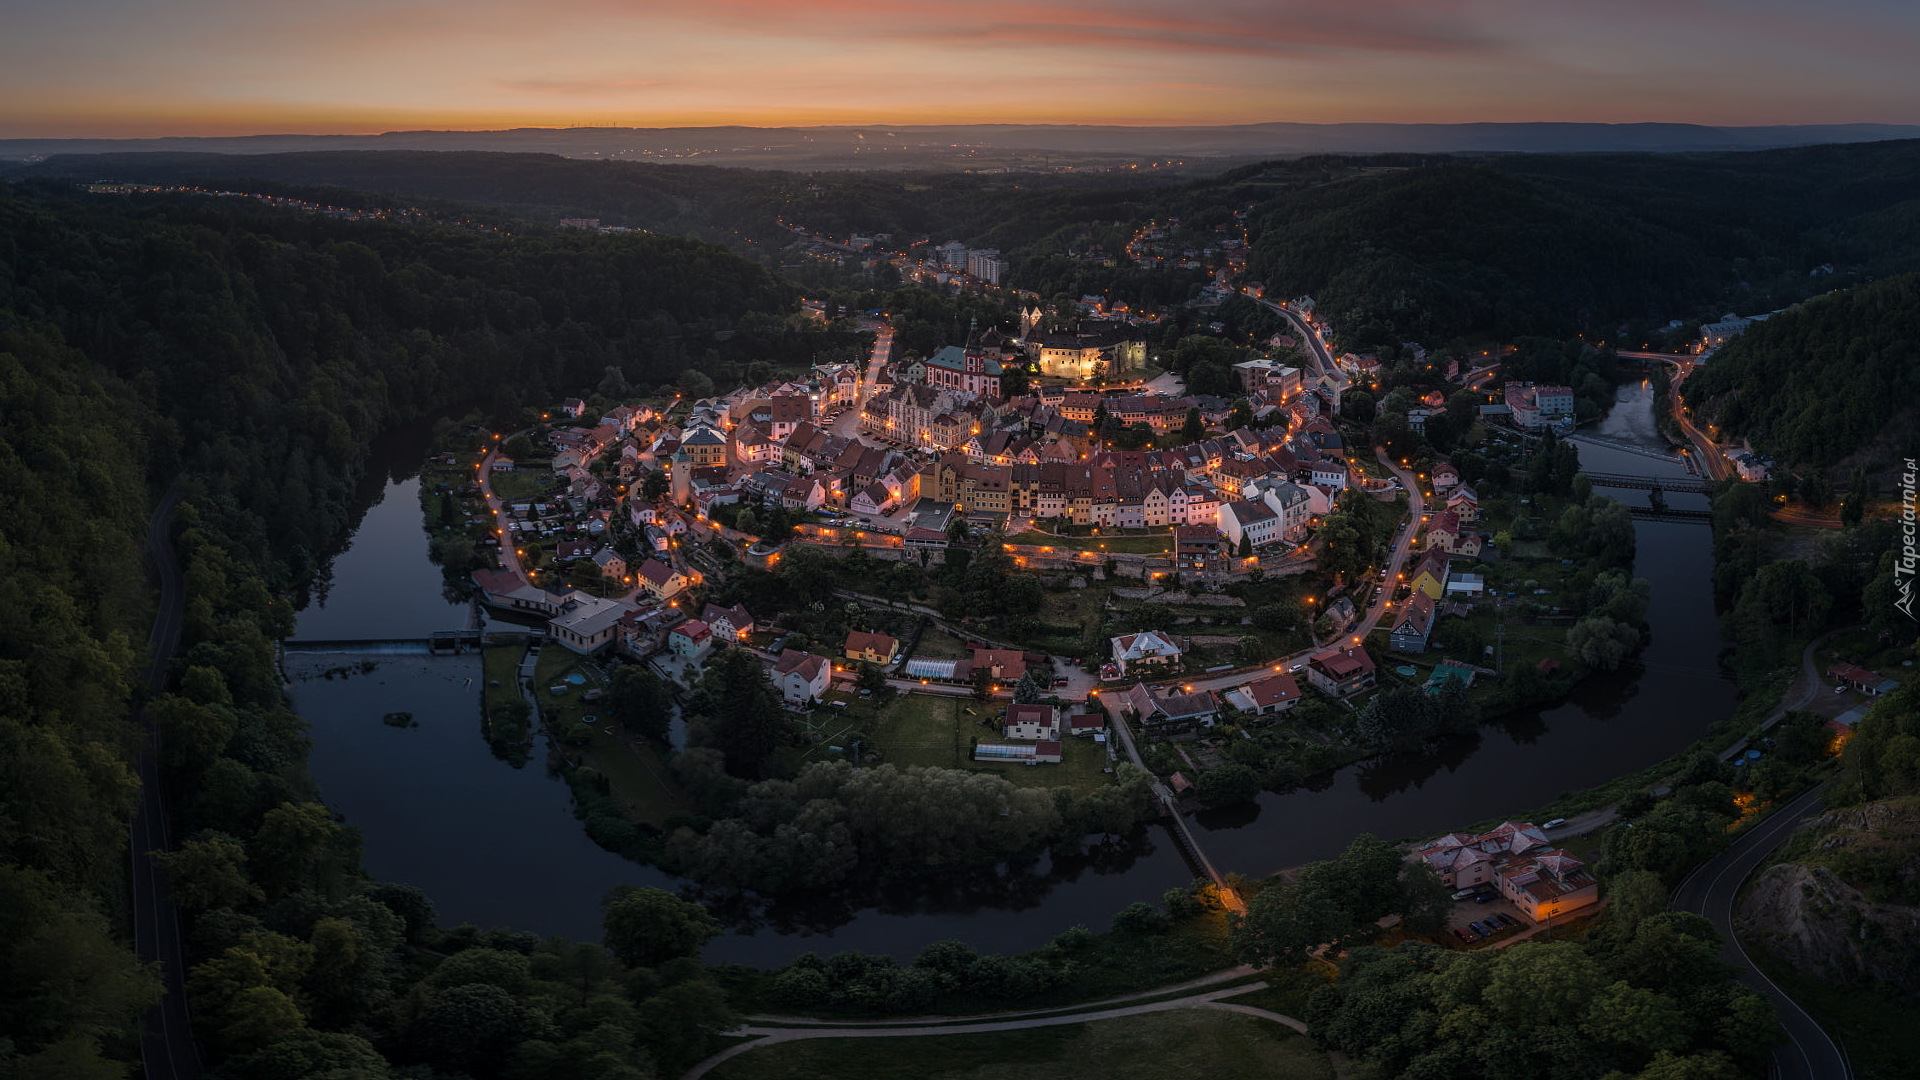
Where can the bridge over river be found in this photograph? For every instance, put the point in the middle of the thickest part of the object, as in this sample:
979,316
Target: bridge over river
1691,485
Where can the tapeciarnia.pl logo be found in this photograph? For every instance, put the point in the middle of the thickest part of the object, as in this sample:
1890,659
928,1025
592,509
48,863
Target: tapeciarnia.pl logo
1903,567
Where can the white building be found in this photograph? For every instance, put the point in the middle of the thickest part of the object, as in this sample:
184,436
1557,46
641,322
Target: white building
1148,648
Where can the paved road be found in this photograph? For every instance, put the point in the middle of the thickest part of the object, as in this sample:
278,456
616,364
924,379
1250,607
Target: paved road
1711,456
1416,506
167,1050
768,1036
1810,1053
1316,348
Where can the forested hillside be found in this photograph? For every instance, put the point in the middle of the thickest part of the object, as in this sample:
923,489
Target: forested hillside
1395,247
273,345
252,354
1824,380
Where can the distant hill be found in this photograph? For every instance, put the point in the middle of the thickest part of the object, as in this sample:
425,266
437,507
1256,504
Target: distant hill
1611,246
1825,380
1447,250
975,145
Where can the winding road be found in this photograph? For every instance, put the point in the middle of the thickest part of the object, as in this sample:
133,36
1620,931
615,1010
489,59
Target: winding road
167,1049
1809,1052
769,1036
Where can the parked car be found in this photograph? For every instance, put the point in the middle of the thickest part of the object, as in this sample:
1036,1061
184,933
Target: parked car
1507,920
1555,823
1461,933
1486,898
1464,893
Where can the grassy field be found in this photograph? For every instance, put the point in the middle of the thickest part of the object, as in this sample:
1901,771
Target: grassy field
920,729
517,486
632,766
1152,1046
938,732
1082,766
940,645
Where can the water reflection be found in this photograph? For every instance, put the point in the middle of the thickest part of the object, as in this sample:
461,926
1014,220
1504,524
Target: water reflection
500,846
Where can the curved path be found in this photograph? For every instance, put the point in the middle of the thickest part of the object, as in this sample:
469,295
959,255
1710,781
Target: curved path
167,1049
1809,1052
768,1036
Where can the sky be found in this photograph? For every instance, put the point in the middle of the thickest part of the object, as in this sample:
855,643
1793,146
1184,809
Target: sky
223,67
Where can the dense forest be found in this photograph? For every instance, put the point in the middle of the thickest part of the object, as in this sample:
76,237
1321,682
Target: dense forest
271,346
1822,381
252,354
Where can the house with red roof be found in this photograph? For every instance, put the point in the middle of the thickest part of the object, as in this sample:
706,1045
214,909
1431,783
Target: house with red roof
873,648
1342,671
1032,722
802,677
690,641
1264,697
661,579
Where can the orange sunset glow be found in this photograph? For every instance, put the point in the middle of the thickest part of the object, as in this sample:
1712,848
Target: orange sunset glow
126,68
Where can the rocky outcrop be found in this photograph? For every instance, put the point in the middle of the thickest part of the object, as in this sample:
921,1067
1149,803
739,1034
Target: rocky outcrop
1803,911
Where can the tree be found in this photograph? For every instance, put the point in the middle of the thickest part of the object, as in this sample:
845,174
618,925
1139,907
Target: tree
694,383
1603,643
1194,428
982,684
748,725
1425,901
1245,550
519,448
1228,784
640,702
1027,690
958,533
1241,416
209,871
474,1029
297,845
872,678
413,906
655,486
648,927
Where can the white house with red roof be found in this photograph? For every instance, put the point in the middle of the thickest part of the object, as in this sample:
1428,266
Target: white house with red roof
691,641
802,677
1032,722
1146,649
1264,697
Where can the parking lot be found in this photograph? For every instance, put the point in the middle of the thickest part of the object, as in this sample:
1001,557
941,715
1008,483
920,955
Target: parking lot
1469,911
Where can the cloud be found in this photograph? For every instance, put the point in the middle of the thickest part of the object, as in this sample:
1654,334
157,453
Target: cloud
1280,29
585,86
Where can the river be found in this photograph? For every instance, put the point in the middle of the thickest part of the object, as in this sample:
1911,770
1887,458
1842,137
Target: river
499,846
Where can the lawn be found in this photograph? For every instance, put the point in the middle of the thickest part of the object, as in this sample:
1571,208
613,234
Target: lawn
940,645
920,729
939,732
517,486
1082,765
632,766
1152,1046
